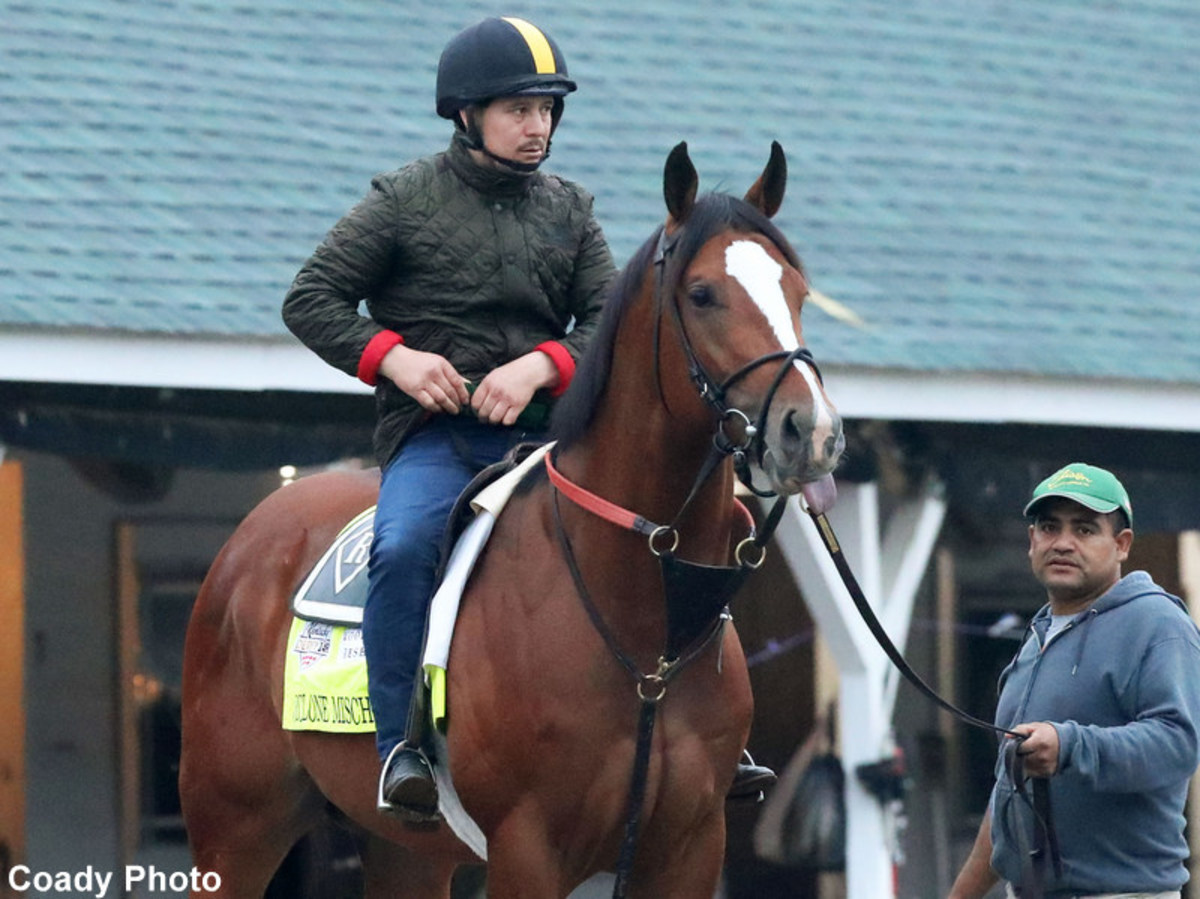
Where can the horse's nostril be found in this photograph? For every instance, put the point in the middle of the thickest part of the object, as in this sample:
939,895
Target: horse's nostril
791,431
834,444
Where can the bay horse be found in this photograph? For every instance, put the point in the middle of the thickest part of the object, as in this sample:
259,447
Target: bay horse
699,346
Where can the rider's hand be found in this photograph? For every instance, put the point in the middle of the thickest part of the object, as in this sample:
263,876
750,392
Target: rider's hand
506,391
1039,750
428,378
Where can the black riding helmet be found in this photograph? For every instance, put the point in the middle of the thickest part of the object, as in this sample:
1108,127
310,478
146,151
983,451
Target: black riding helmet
500,58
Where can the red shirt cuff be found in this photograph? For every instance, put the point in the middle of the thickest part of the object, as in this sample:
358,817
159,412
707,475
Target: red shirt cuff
372,357
563,361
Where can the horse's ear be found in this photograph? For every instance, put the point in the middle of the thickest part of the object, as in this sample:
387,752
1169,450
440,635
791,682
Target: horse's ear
767,193
679,185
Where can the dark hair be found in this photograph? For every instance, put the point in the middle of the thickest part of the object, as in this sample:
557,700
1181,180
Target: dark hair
1120,521
1116,518
573,412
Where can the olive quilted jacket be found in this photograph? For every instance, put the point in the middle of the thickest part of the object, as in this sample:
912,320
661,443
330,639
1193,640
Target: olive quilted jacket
475,264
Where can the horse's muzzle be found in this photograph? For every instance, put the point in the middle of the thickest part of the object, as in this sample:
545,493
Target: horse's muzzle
802,447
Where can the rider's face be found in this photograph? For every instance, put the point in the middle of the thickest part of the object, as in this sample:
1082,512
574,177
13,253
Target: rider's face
517,128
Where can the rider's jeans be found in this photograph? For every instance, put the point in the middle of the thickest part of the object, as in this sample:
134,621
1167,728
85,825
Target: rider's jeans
420,485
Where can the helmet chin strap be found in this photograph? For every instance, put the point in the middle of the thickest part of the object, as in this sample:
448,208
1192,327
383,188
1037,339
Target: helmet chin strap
474,140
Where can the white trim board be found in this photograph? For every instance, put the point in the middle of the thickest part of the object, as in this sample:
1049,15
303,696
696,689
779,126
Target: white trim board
898,395
178,362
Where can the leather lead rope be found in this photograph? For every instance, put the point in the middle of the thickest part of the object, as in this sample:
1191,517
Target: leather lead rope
1045,838
825,529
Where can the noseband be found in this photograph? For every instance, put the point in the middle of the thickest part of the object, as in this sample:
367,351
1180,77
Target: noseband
753,440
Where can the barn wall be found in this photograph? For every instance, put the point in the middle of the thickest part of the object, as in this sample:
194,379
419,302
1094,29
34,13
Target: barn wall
72,788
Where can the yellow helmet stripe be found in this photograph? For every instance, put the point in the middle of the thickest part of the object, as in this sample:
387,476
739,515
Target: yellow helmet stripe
543,56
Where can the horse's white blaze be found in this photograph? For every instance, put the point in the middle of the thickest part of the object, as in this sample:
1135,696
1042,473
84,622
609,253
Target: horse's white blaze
762,278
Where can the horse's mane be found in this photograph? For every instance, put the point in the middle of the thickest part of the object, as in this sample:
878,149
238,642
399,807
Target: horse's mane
712,214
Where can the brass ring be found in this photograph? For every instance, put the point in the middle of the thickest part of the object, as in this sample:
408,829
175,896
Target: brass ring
740,551
749,430
651,679
660,531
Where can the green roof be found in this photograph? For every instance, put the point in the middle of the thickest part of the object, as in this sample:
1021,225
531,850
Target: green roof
1009,188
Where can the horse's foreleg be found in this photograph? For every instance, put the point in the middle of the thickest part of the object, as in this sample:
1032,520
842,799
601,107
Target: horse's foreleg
687,866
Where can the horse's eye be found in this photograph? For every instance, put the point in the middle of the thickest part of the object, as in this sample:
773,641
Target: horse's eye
701,295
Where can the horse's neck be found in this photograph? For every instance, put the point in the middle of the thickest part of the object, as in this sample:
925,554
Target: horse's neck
642,460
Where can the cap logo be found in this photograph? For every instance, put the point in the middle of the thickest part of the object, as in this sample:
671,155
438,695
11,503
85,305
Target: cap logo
1068,476
539,47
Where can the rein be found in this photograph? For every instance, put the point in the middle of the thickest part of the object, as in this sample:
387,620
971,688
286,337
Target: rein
1045,848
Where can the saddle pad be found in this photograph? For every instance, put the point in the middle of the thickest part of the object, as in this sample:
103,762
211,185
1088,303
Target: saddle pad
325,672
325,679
335,591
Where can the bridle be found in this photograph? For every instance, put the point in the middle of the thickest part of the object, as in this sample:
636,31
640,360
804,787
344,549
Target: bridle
753,442
664,539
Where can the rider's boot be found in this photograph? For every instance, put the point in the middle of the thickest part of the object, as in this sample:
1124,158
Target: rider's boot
751,781
406,786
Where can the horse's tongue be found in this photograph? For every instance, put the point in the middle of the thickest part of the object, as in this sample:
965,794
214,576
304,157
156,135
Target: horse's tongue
820,495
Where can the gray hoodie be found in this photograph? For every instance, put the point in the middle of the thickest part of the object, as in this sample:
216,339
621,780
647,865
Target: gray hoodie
1121,684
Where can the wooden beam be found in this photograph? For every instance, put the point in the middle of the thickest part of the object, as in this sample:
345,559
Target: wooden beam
129,648
12,682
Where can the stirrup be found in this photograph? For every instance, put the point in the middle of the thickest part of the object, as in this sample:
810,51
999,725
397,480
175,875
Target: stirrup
413,816
755,781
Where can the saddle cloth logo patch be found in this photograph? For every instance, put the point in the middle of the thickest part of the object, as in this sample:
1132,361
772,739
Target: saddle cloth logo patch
335,591
313,643
325,679
353,553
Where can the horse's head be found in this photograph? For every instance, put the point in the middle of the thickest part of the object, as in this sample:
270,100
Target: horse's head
733,288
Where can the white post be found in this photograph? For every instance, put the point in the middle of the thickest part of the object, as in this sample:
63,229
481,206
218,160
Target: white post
861,716
889,578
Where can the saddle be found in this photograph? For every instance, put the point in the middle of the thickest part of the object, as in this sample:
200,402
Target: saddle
335,591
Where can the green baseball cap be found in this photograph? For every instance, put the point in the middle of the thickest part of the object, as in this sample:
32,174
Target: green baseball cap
1093,487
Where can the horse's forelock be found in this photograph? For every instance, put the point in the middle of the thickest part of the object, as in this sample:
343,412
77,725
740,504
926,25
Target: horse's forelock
712,214
715,213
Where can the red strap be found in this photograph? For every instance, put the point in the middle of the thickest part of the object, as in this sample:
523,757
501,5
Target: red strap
750,525
596,505
611,512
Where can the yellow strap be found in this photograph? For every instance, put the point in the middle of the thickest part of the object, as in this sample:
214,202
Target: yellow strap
543,56
437,695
